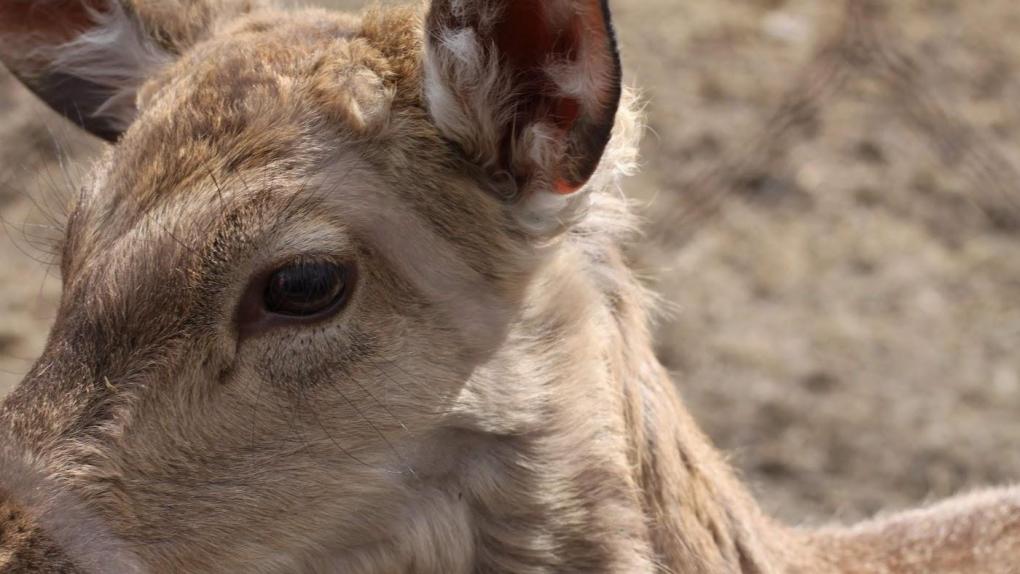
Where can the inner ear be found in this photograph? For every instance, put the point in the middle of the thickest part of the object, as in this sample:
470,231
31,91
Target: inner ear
529,48
53,23
547,63
526,87
87,59
51,47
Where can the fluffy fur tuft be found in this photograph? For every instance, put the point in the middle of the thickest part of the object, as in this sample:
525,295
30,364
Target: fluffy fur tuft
116,56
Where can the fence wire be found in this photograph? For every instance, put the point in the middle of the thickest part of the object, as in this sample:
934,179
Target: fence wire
864,45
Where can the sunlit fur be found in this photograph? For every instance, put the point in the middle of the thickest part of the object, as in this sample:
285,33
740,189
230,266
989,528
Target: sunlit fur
489,400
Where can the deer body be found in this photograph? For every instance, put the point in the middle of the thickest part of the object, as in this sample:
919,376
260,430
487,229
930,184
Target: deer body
349,295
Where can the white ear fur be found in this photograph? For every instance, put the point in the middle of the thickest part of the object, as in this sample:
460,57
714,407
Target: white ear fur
115,56
474,114
88,59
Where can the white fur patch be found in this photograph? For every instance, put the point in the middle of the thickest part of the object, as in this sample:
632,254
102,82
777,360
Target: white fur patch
116,55
466,93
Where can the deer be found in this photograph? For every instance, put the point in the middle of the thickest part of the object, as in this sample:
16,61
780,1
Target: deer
349,293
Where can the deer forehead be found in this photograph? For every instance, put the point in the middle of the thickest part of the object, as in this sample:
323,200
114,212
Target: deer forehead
265,108
261,95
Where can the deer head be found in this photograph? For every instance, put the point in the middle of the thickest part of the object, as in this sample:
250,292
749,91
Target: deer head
324,268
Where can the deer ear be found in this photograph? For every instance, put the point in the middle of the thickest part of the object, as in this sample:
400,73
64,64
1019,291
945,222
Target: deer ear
528,88
87,59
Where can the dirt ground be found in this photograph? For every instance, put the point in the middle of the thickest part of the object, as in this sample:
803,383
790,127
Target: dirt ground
833,222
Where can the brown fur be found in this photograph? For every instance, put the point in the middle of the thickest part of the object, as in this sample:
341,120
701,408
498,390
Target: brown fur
488,402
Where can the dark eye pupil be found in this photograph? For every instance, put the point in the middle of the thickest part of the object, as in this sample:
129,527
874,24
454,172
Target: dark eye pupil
305,288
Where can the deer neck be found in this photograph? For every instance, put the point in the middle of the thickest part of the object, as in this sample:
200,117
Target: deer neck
701,518
603,459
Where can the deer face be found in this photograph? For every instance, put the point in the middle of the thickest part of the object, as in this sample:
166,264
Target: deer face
292,272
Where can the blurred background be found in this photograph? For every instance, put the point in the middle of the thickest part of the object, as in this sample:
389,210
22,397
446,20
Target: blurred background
831,199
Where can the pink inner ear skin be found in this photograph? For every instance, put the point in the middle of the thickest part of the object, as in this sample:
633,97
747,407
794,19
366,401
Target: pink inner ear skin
59,21
563,187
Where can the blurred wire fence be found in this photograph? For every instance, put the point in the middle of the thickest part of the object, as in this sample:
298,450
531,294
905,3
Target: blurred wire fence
863,44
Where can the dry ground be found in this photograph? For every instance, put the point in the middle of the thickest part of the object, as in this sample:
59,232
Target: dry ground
840,272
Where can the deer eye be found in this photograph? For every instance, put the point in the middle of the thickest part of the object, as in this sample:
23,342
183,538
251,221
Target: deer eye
306,288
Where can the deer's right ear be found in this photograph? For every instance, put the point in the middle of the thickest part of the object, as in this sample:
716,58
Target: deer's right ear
87,59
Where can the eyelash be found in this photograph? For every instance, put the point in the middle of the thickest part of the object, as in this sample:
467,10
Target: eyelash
254,316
